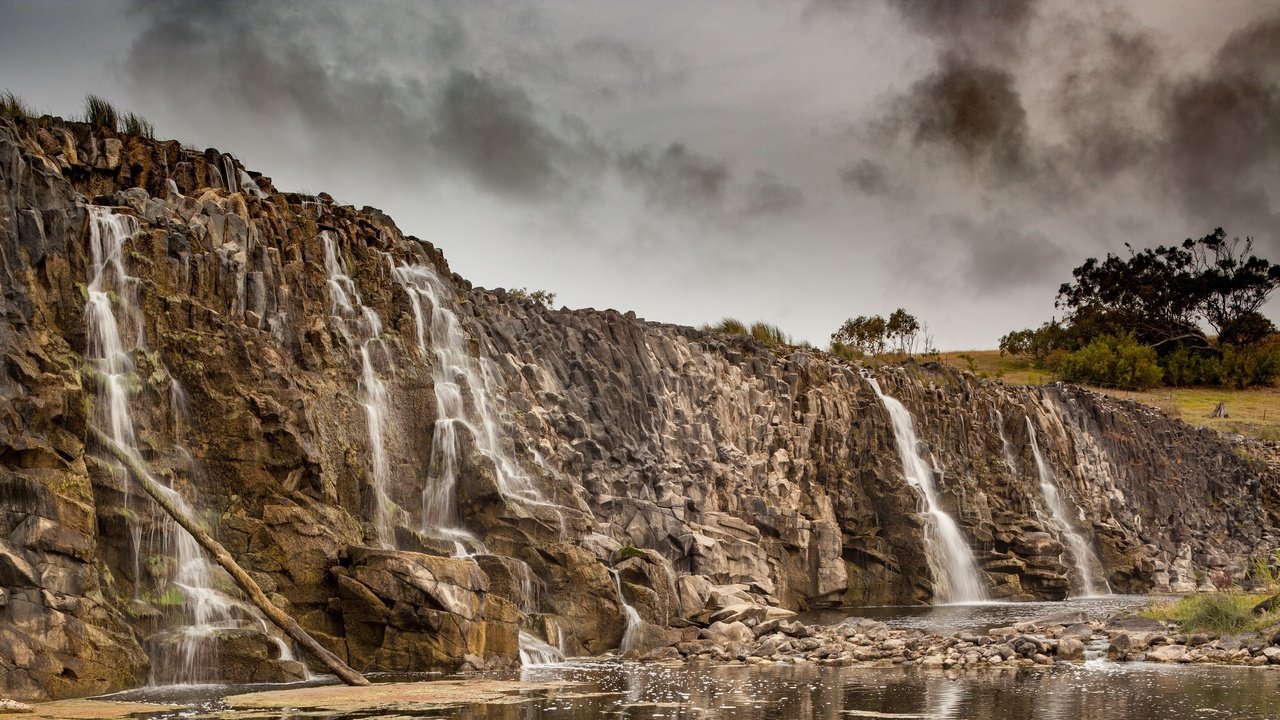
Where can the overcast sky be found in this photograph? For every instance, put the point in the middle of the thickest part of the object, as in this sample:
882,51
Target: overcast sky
797,163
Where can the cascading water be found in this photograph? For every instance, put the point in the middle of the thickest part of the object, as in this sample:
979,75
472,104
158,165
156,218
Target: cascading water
350,313
191,656
630,636
1081,553
533,651
1005,445
463,400
955,572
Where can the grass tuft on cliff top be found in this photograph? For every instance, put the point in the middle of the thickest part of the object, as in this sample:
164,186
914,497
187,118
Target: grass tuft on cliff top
100,113
12,106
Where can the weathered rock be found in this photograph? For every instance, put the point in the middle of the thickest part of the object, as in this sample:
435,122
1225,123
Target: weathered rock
1070,648
745,474
1167,653
723,633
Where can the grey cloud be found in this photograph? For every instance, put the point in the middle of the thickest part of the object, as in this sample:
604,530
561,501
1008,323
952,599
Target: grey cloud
867,177
1099,99
268,64
767,194
1221,151
490,130
1002,254
677,177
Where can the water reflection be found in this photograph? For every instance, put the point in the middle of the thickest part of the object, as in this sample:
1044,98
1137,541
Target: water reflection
1097,691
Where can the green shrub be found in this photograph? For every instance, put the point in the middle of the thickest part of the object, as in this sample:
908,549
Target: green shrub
547,299
1111,361
100,113
1231,366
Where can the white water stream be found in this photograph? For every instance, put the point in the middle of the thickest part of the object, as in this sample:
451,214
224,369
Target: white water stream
464,394
115,334
1081,553
955,572
634,621
362,327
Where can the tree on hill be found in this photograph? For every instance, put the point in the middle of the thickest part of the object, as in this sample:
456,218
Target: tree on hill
1164,298
874,335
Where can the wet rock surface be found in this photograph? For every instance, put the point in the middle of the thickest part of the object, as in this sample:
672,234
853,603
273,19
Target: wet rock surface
726,482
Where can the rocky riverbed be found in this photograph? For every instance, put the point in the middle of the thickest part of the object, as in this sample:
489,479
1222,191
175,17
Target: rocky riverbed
1070,637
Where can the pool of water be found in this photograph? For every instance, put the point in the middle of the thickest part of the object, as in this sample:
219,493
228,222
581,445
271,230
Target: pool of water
1095,690
980,617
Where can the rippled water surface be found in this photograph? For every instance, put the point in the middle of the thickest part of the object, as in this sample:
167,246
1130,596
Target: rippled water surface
1096,690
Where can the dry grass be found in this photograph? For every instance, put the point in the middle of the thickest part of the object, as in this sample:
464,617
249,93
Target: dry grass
1255,412
991,364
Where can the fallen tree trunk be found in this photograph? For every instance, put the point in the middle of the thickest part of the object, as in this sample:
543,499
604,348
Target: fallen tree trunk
281,619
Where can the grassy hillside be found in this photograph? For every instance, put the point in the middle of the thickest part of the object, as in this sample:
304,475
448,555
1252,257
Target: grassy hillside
1254,412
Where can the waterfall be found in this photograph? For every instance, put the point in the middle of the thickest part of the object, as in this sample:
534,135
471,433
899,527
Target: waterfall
629,636
1005,445
534,651
194,657
464,389
955,572
350,314
1081,554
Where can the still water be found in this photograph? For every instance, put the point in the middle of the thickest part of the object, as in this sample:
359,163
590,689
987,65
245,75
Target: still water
1096,690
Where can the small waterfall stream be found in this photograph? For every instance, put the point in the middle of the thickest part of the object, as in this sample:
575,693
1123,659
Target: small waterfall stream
1081,553
955,572
190,655
629,613
351,314
463,400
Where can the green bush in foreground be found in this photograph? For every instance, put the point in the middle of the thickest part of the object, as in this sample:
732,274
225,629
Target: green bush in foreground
1215,613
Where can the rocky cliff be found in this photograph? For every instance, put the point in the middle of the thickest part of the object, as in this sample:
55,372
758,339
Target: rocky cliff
420,470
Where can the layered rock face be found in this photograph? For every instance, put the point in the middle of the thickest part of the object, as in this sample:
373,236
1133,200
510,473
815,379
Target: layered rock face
417,469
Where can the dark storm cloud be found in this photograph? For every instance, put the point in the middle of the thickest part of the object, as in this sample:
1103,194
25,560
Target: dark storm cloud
677,177
1222,151
265,60
969,108
490,130
975,28
1099,99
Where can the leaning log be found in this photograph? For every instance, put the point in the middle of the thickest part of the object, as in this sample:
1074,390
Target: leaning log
250,587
